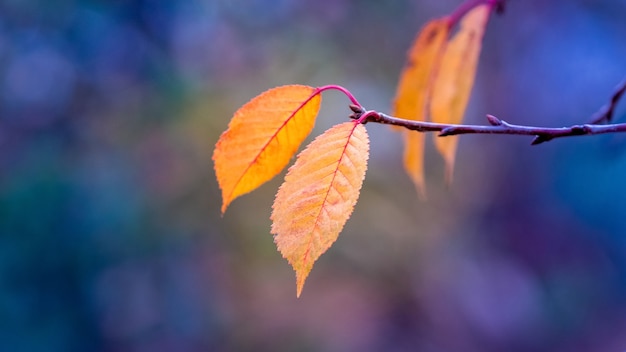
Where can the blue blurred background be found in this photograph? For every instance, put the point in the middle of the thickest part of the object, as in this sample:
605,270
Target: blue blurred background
110,233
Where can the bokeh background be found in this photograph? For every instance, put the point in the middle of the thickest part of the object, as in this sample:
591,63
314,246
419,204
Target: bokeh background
111,237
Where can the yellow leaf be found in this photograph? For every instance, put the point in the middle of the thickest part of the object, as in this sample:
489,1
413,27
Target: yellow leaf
318,196
414,92
416,77
455,78
414,160
261,138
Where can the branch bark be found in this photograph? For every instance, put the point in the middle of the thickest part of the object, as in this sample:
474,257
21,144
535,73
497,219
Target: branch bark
466,6
499,126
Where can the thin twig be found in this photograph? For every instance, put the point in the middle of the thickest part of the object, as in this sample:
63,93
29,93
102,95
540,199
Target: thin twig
498,126
605,114
468,5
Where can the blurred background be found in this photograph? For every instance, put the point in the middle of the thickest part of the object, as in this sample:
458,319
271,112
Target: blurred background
110,231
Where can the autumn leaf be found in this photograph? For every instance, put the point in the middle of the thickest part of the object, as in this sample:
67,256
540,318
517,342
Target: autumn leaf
455,78
261,138
413,159
414,91
318,196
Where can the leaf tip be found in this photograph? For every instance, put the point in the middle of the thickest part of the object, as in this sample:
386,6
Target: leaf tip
226,200
299,289
301,276
449,157
449,174
421,193
414,161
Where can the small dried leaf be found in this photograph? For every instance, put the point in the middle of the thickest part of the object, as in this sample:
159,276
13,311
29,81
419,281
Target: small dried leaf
414,92
414,160
318,196
455,78
262,137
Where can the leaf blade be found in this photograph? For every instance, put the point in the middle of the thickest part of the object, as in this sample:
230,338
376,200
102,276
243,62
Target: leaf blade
413,160
414,86
414,90
318,196
261,138
455,78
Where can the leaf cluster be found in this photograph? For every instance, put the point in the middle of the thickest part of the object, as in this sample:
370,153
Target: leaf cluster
322,187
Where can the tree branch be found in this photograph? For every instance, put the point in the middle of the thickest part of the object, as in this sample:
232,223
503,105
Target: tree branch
605,114
498,126
468,5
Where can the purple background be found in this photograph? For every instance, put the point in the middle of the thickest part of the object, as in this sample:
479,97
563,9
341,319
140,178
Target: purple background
110,233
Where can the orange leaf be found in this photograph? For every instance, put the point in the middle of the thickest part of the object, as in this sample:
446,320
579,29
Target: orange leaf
414,160
415,81
261,138
318,195
455,78
414,92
